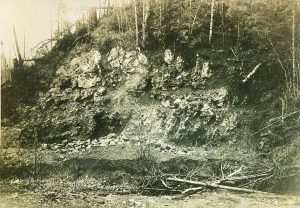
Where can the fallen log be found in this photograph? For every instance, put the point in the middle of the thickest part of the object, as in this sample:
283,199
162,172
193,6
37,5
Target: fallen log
212,185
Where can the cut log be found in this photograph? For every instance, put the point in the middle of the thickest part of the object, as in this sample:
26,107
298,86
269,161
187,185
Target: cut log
209,185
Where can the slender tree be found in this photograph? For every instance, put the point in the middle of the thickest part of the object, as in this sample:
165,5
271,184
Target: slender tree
119,22
223,23
145,18
51,30
211,21
24,46
136,24
160,17
17,45
294,73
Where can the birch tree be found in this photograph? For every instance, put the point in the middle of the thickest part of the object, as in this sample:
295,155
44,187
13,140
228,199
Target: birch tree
294,73
211,21
145,18
136,24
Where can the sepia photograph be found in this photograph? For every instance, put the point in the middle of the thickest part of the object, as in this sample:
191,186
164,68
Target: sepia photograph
150,103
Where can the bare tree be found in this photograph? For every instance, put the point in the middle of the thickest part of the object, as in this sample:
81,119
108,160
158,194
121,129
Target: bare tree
17,45
223,23
211,21
294,73
160,17
136,24
145,18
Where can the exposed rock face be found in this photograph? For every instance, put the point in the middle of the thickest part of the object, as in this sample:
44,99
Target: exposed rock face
116,57
88,100
81,101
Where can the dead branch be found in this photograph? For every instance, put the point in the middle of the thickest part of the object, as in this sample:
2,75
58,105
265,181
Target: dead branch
192,190
281,64
235,172
43,43
80,38
287,176
275,122
247,177
195,17
164,184
251,73
160,189
212,185
17,45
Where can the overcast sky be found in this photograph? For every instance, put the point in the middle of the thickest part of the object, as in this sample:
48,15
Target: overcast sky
32,18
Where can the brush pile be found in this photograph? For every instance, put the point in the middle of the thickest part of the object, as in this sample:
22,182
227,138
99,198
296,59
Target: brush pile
243,179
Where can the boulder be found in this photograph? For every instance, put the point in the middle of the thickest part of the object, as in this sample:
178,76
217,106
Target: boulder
205,72
168,56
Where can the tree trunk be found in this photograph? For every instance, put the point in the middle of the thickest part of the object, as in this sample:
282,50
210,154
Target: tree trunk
24,46
145,18
294,82
136,25
223,25
119,24
211,21
238,33
92,16
127,22
17,46
58,22
195,17
143,23
160,18
191,15
51,30
121,20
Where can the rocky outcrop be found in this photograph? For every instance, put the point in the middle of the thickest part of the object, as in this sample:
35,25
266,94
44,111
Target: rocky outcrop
80,103
97,95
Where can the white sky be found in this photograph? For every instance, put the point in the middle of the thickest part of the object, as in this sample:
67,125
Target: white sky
32,18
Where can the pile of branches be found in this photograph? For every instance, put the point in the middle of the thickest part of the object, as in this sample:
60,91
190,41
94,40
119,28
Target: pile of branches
241,180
